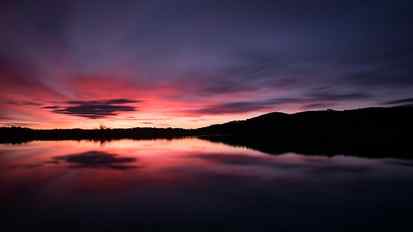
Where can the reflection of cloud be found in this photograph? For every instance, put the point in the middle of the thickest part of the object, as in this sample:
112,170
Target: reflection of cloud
96,159
329,169
318,167
401,162
247,160
233,159
94,109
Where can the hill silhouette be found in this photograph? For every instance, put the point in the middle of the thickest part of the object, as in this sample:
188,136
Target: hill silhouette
371,132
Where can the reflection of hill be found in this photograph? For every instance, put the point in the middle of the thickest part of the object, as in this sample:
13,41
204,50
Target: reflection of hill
311,148
371,131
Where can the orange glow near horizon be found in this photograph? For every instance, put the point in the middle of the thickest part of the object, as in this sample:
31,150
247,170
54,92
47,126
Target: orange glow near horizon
162,105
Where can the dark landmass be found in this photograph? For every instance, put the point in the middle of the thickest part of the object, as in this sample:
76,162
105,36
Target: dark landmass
369,132
22,135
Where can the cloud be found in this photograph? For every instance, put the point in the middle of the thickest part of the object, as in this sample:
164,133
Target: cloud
243,72
329,96
317,106
108,102
94,109
17,78
233,107
393,71
51,107
20,103
315,99
245,106
402,101
16,124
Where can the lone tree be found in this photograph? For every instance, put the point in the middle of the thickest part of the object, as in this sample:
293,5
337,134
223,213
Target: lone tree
102,127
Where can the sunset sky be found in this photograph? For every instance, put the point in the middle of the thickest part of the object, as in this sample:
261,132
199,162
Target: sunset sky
192,63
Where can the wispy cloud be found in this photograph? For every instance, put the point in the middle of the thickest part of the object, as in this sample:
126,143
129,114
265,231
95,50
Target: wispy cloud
20,103
399,101
312,100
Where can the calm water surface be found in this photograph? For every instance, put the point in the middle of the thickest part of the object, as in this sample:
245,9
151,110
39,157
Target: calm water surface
125,185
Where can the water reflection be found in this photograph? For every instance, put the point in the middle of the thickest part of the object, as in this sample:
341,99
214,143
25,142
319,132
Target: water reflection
127,183
95,159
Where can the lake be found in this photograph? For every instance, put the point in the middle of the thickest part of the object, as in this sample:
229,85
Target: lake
193,183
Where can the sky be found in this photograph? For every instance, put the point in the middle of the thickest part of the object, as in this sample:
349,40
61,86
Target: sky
192,63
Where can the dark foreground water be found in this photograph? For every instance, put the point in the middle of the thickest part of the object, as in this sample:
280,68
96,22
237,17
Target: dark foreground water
199,185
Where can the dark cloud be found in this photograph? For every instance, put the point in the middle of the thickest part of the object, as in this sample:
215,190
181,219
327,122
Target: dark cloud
108,102
402,101
20,103
51,107
247,72
245,106
315,99
394,73
317,106
329,96
94,109
233,107
17,124
96,159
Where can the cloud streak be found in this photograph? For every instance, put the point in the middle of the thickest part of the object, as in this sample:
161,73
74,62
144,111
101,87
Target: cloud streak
95,109
403,101
312,100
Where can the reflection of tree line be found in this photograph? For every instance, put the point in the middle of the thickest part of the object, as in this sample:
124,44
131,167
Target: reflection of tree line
368,132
